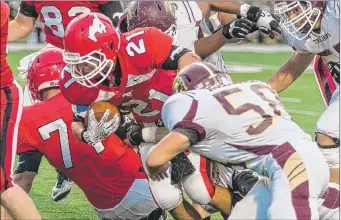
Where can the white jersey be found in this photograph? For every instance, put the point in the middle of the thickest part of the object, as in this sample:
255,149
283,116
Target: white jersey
232,118
188,20
326,43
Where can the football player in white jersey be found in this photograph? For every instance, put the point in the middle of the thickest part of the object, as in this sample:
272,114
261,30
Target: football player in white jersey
313,28
243,123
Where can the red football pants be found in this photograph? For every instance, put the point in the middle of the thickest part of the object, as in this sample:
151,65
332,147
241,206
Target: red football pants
10,114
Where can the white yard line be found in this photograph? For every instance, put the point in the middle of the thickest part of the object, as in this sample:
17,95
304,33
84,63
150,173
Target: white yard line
290,99
303,112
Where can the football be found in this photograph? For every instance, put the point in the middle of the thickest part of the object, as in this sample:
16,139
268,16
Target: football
99,109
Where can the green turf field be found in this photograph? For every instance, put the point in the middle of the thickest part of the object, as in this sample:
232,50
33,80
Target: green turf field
302,99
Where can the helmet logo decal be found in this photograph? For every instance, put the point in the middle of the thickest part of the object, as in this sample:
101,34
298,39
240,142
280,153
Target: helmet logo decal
96,27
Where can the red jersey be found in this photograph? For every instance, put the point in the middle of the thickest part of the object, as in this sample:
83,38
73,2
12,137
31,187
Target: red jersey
56,15
104,172
6,75
138,57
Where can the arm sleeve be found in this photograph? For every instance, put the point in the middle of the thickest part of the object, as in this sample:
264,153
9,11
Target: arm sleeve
192,135
109,9
172,61
27,9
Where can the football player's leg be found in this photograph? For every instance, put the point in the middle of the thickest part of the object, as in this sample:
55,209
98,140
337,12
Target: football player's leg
168,196
298,175
327,135
200,189
138,203
62,188
10,115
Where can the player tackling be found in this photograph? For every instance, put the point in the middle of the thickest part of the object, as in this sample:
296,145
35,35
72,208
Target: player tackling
243,123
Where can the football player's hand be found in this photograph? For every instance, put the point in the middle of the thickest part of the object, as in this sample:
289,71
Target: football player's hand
268,24
97,131
238,28
242,182
135,135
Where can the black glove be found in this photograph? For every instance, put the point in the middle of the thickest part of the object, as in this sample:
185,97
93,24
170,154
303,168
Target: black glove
266,22
238,28
134,134
125,124
242,182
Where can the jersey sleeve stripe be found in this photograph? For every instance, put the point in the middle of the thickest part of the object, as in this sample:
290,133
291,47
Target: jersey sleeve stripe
187,121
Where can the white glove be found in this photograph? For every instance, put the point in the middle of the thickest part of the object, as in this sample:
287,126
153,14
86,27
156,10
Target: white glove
24,64
97,131
268,24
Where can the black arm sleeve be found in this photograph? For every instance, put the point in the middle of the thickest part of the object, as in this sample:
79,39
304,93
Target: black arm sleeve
172,61
109,9
191,134
29,161
28,10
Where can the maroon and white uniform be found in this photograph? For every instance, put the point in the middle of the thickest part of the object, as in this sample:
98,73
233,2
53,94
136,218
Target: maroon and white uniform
246,124
326,46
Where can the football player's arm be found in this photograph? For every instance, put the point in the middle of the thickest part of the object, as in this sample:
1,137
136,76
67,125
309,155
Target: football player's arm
164,151
109,9
23,23
290,71
170,57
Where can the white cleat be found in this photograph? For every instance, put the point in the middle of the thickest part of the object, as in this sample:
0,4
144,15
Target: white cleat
62,188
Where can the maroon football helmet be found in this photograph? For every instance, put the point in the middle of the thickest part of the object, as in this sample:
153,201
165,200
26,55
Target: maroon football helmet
298,18
199,75
152,14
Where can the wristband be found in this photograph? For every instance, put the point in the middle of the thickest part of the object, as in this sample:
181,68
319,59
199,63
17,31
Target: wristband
148,134
244,8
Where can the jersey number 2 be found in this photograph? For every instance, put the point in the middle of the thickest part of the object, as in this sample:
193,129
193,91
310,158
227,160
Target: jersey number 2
60,126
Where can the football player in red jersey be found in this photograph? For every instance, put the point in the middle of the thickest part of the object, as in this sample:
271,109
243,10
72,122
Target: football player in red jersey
13,198
109,173
55,15
101,62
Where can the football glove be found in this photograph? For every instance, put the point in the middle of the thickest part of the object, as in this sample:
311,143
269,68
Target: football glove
135,135
97,131
238,28
266,22
242,182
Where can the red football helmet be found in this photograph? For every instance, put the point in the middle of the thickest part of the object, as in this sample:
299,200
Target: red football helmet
91,44
199,75
152,14
44,72
298,18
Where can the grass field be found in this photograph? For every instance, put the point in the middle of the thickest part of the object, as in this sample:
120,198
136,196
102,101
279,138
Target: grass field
302,99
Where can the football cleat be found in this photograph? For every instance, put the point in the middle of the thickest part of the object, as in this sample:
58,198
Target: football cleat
62,188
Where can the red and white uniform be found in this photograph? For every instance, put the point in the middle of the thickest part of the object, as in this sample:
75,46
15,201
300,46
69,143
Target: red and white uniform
143,91
11,106
109,174
56,15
